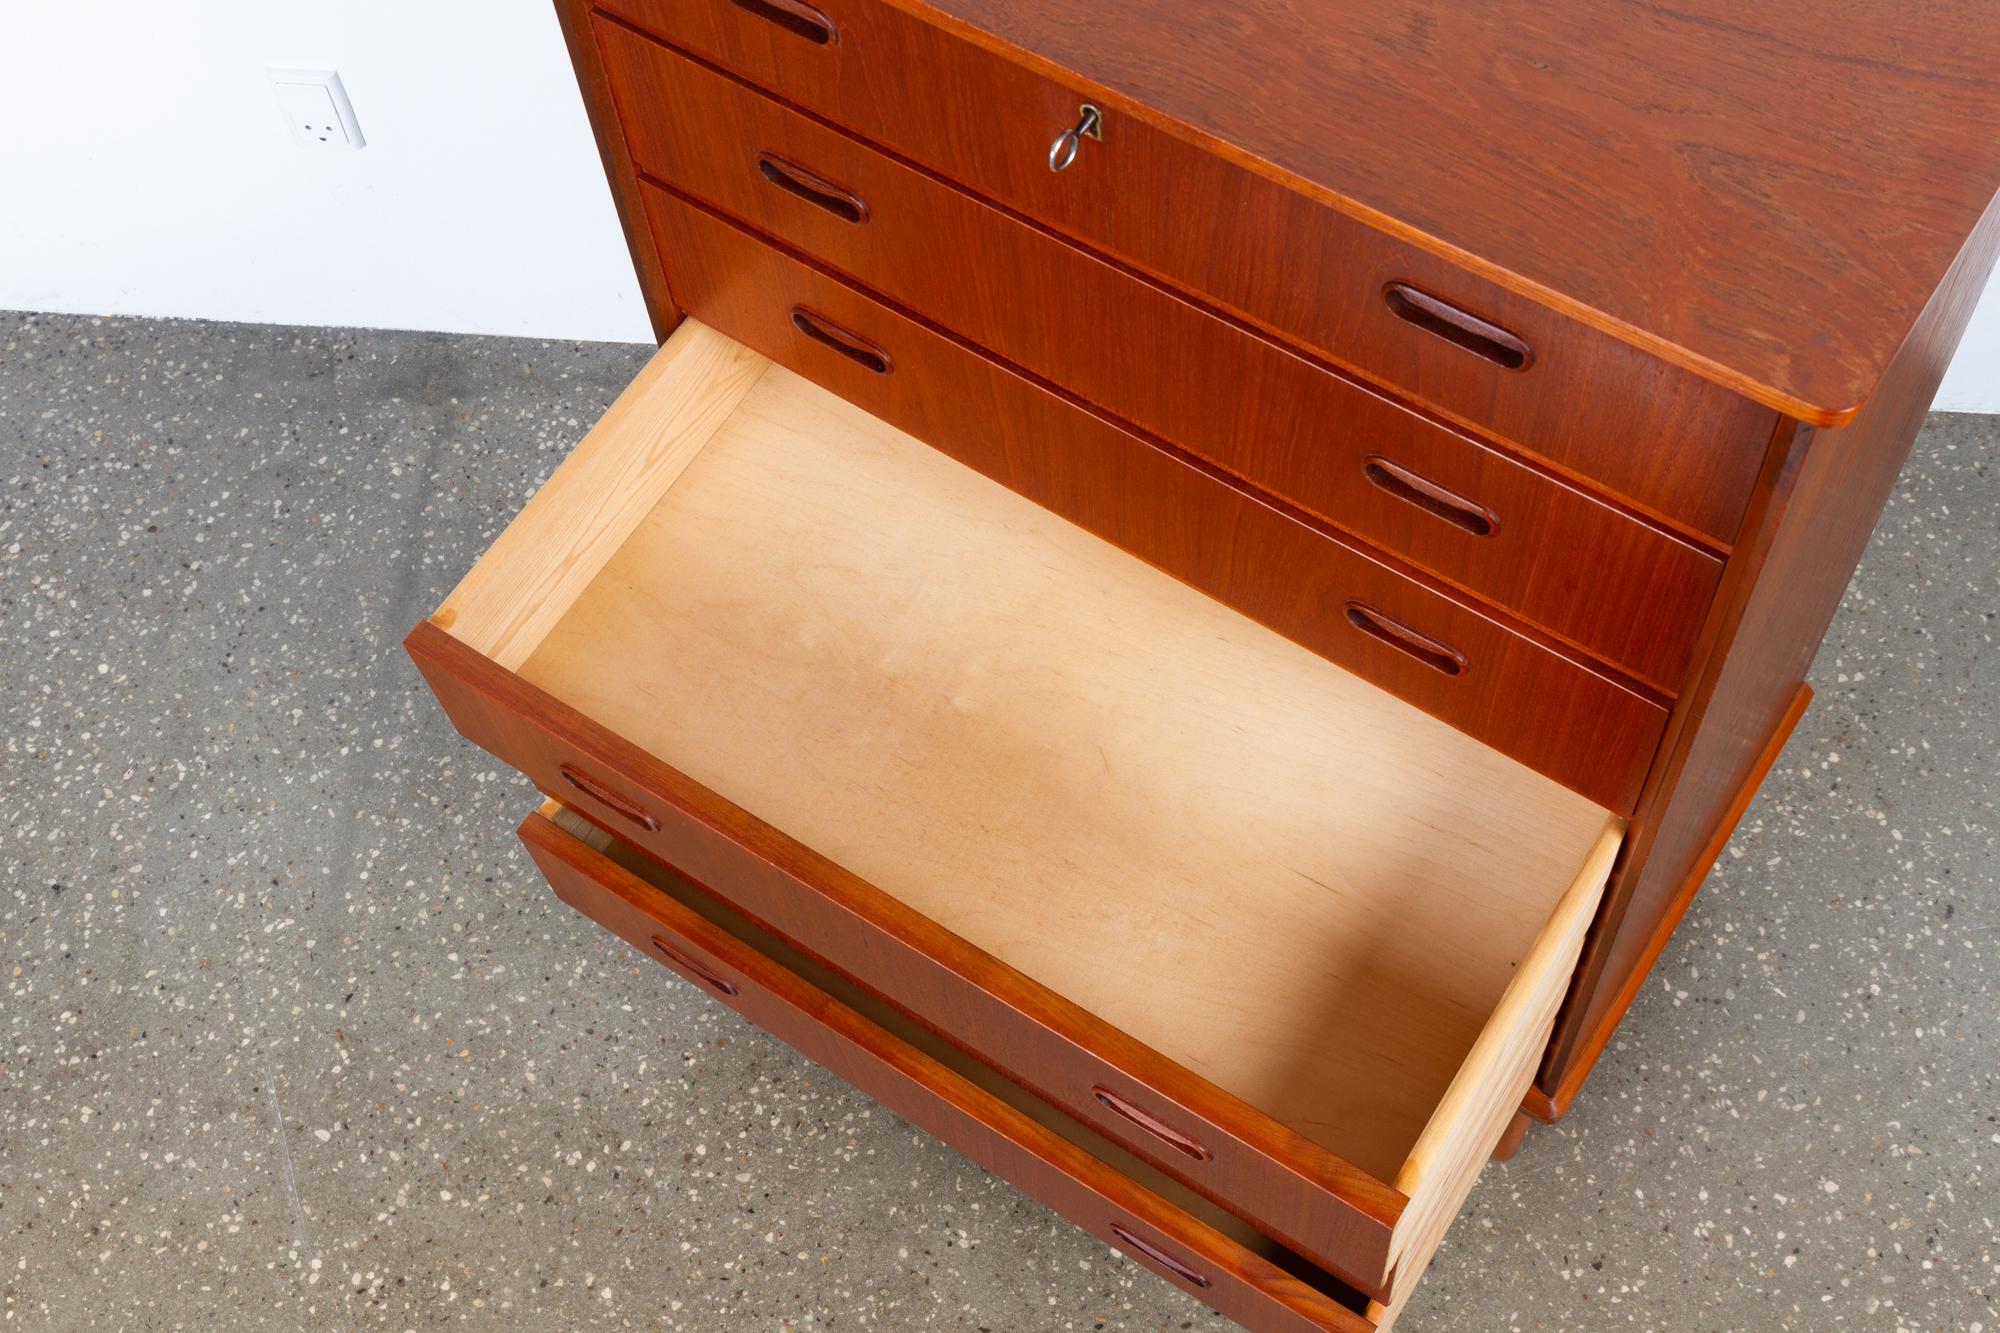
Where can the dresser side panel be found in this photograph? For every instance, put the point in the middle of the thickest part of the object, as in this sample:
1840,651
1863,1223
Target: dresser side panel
661,309
1815,527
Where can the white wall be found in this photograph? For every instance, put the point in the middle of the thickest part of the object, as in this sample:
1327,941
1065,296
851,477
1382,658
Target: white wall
1973,382
144,169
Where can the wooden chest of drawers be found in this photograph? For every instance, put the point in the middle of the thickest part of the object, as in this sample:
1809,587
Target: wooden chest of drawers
1194,589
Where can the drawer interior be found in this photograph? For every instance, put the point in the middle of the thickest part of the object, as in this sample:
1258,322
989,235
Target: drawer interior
1322,900
914,1034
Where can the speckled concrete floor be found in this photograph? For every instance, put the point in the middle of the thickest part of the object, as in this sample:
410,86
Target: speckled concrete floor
295,1038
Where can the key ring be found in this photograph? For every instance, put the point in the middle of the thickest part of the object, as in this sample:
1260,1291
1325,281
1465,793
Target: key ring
1090,124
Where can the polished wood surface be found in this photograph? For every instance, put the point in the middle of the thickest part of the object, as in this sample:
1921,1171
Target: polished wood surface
924,1089
1557,714
575,18
1544,367
1819,503
1789,158
1322,1206
1592,405
843,989
1555,1103
802,533
1552,553
1517,1133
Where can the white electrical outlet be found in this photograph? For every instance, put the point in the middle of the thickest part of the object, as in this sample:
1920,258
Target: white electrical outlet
316,108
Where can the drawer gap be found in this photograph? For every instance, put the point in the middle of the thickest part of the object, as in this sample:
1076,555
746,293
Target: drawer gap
686,892
1475,521
1594,412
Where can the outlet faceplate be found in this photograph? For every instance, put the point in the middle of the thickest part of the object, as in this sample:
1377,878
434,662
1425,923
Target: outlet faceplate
316,108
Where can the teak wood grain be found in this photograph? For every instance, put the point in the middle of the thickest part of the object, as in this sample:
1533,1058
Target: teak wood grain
1559,715
1787,158
1550,552
1517,1133
1296,1190
1656,287
816,577
575,18
1807,532
1623,986
1588,403
1198,1258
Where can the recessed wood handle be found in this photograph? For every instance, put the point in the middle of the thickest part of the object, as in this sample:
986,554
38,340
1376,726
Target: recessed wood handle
1461,327
1158,1256
794,16
1430,497
607,798
702,971
812,187
844,341
1166,1133
1379,625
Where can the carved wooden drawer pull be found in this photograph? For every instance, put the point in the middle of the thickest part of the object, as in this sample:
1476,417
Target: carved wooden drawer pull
607,798
1158,1256
812,187
844,341
1462,327
1433,499
703,972
794,16
1167,1134
1380,625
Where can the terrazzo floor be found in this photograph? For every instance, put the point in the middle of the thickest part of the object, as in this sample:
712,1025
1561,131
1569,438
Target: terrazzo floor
295,1038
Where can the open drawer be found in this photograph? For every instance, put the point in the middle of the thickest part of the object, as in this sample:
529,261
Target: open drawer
1287,939
1106,1191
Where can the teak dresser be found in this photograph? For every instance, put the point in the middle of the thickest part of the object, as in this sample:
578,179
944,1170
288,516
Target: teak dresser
1195,587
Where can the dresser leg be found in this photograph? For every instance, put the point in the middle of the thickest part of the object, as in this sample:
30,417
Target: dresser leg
1510,1142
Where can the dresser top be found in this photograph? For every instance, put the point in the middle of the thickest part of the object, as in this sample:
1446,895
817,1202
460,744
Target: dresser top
1766,192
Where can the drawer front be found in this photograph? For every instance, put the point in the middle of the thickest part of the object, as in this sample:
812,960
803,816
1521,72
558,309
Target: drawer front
1671,442
1442,653
1469,513
1117,1210
1287,1186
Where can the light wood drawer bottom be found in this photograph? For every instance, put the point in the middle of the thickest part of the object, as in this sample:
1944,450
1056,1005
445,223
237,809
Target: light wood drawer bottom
1455,657
1287,939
